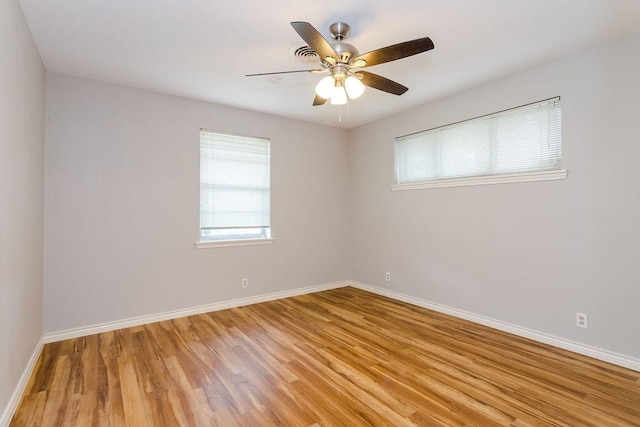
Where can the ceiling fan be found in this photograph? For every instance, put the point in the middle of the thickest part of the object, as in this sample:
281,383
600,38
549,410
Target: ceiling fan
343,62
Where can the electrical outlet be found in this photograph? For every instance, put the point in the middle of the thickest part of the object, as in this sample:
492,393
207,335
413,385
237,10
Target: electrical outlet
245,283
387,277
581,320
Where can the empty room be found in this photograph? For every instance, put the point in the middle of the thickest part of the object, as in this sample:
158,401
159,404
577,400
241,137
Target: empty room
357,213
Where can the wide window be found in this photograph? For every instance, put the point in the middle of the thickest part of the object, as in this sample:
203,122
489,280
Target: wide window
523,143
234,187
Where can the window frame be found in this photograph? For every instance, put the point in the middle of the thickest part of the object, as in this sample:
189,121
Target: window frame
264,234
480,178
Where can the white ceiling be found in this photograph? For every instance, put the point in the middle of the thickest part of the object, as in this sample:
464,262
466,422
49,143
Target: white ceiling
202,49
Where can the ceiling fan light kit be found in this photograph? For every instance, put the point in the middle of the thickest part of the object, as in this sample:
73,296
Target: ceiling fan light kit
338,95
354,87
342,61
324,88
334,88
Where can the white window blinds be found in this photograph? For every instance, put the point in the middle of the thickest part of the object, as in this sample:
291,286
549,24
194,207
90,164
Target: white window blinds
234,186
520,140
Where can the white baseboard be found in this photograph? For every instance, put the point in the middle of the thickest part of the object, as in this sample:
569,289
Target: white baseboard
5,419
586,350
168,315
576,347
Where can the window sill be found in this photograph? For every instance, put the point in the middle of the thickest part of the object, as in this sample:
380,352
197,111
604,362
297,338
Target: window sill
239,242
484,180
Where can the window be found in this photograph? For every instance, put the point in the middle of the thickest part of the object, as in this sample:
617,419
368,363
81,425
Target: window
519,144
234,189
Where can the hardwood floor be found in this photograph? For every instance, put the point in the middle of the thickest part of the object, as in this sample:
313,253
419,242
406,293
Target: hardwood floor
343,357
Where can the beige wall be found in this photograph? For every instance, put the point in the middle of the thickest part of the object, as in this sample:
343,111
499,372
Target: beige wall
21,197
122,196
122,208
530,254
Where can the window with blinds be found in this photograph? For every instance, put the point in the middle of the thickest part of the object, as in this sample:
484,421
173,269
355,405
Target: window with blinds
522,140
234,187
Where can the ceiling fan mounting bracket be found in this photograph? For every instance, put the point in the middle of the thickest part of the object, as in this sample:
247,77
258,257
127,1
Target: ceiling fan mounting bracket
339,30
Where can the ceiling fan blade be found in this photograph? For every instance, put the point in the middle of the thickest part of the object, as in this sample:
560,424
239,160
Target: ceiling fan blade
318,100
314,39
286,72
396,51
382,83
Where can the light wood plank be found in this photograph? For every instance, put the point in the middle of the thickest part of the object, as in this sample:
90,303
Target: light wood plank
342,357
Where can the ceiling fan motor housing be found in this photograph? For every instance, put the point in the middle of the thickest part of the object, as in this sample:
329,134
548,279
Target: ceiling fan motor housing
345,51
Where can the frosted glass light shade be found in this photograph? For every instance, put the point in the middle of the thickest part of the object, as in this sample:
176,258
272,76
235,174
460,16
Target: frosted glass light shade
338,96
354,87
324,88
